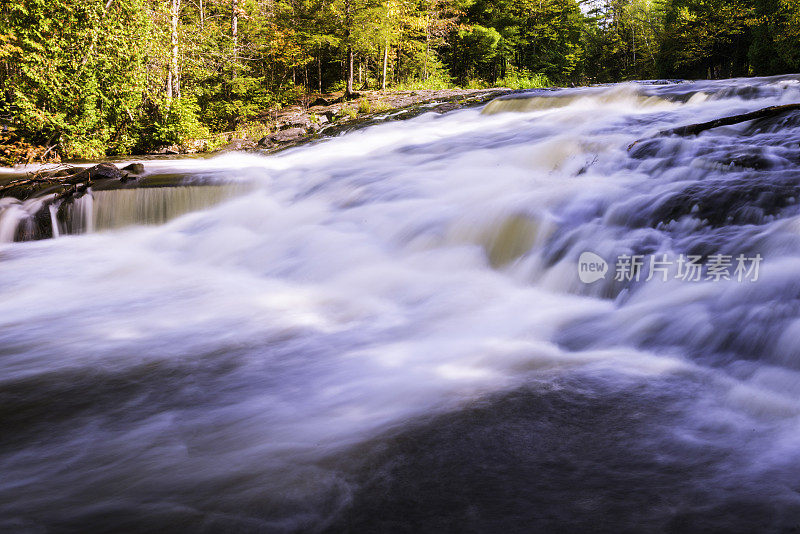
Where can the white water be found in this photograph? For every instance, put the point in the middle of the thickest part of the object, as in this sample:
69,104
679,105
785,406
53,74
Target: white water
53,209
14,214
393,273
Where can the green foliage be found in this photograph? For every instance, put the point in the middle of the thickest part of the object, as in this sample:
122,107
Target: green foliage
475,83
224,102
501,36
523,80
433,83
380,106
252,130
776,34
347,112
169,123
90,77
706,37
363,105
180,122
73,71
477,47
621,40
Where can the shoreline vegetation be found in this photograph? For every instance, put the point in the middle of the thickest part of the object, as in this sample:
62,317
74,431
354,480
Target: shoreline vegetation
92,79
315,117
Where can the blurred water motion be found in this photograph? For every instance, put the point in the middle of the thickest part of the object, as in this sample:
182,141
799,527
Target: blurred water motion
386,332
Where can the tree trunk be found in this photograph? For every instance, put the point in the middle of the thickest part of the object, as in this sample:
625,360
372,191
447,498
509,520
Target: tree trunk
235,25
349,70
427,44
173,85
348,22
385,64
319,68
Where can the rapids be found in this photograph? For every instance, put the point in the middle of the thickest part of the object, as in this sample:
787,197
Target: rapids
387,331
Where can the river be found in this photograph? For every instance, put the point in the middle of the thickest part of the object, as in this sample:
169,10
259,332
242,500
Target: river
430,325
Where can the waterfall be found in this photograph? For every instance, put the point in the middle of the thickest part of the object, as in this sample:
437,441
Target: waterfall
53,208
11,214
155,205
514,318
80,213
108,209
17,218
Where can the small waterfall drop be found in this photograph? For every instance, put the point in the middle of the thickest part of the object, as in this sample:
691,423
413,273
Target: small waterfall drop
53,209
17,219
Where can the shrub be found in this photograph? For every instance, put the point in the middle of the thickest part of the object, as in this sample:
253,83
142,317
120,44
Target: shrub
347,111
523,79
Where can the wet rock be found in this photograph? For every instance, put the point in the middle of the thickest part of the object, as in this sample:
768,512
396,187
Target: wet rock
751,161
303,121
447,106
65,172
239,144
288,135
745,200
775,124
134,168
167,150
266,142
101,171
649,148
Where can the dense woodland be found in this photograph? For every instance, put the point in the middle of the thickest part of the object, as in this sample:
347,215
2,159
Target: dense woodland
102,77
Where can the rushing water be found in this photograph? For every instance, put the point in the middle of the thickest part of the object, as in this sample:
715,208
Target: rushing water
387,332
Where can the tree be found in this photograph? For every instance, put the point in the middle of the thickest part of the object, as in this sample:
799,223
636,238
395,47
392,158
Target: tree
706,38
74,71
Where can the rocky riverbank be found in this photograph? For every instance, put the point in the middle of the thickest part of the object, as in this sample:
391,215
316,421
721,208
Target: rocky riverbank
320,116
316,116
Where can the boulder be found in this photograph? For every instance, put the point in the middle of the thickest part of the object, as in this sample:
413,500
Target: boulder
101,171
134,168
288,135
239,144
293,121
266,142
67,171
167,150
447,106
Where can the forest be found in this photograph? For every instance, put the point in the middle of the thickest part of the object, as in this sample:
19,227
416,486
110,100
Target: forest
94,78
